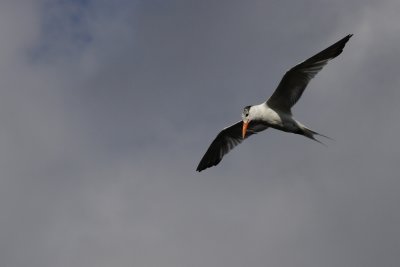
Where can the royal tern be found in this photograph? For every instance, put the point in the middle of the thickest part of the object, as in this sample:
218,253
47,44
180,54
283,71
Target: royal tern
276,111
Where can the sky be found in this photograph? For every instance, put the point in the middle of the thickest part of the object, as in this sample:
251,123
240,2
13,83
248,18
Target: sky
106,108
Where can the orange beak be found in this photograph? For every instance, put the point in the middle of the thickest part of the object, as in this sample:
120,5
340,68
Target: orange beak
244,129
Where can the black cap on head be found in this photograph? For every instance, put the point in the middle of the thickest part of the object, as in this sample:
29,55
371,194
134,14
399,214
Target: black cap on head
247,108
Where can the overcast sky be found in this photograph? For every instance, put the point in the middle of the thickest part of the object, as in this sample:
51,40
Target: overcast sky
106,108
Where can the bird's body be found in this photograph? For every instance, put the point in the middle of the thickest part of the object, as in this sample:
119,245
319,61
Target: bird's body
276,111
276,119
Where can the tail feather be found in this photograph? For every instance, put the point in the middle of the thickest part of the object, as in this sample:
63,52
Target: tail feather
327,137
311,134
316,140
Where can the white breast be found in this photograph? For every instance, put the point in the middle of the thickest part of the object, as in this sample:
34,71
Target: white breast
274,118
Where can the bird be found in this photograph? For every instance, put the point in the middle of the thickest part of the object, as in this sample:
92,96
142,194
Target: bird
276,112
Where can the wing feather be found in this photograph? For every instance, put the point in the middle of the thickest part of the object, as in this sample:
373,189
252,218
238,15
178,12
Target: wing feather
295,81
225,141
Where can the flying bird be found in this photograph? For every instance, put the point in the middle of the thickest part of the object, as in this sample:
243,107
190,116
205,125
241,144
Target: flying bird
276,111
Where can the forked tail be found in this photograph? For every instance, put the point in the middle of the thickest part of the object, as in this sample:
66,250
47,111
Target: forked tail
311,134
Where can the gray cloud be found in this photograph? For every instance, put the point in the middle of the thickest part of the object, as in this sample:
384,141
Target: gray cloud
106,108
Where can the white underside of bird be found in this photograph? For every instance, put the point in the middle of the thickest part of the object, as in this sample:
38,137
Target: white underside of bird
262,114
273,118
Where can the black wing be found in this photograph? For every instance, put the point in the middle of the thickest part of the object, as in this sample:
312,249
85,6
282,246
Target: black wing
225,141
296,79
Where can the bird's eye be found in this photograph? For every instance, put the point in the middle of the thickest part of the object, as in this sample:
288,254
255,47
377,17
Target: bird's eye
246,111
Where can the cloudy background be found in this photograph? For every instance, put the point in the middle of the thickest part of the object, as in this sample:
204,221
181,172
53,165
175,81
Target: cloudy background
106,107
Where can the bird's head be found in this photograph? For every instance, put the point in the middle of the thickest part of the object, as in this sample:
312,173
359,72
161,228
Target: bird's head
246,117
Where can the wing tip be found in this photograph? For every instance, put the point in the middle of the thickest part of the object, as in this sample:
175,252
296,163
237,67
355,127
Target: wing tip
347,38
199,169
341,44
205,165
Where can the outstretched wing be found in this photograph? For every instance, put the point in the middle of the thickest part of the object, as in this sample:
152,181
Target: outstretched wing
225,141
296,79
